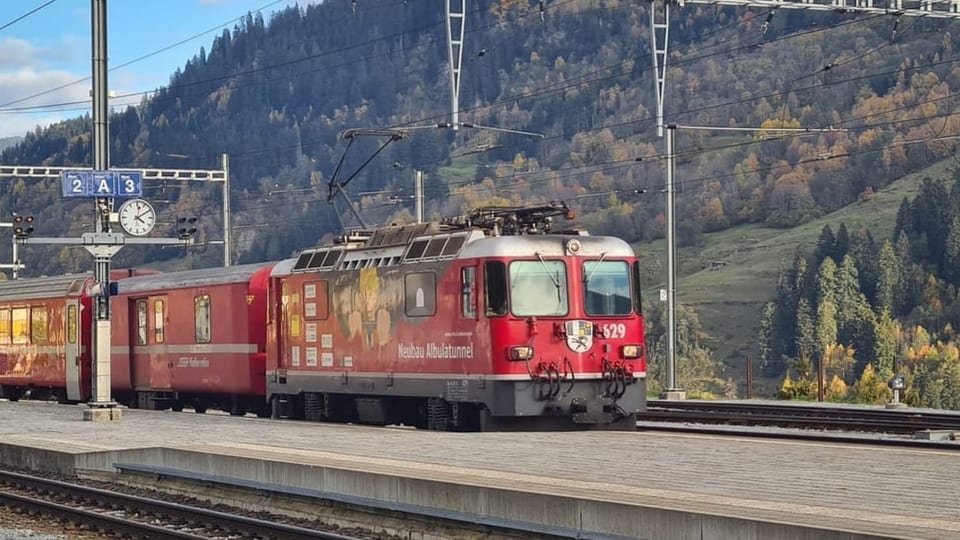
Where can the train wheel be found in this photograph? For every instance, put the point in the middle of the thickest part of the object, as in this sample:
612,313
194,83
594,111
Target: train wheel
238,408
275,408
199,408
176,407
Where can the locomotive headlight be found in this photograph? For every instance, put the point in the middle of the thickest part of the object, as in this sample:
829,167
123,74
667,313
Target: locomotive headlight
573,246
631,351
521,353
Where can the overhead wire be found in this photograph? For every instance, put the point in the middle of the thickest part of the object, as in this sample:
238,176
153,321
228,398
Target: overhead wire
8,24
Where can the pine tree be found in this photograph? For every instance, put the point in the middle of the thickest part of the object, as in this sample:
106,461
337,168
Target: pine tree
889,273
863,249
864,337
842,244
806,331
826,319
847,294
885,333
951,255
950,374
766,338
905,293
904,223
826,245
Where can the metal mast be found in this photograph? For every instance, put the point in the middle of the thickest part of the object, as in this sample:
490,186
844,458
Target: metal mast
456,22
103,208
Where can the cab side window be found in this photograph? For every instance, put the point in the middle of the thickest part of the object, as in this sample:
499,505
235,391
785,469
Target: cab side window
468,296
495,288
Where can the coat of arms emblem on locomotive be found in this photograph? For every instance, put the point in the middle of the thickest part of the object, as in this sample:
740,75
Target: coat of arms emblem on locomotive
579,335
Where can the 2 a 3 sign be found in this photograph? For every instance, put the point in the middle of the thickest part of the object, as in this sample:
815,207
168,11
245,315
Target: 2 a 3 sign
90,184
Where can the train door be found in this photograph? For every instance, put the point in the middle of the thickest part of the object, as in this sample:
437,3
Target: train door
139,329
275,334
282,322
150,366
72,350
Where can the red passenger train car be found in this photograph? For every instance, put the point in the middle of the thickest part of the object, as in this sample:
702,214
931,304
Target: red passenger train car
487,321
193,338
45,336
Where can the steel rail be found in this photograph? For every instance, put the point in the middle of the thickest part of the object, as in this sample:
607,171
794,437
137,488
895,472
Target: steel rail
840,418
102,508
798,435
100,520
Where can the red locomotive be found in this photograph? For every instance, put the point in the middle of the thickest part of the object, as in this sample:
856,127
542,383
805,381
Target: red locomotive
487,321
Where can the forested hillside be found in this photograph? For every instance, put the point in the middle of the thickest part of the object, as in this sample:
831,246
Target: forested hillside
889,306
878,93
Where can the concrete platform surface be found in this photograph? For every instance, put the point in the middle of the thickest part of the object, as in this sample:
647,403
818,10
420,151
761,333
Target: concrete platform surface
600,484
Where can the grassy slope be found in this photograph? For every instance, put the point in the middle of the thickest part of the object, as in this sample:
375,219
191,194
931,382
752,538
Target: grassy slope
729,298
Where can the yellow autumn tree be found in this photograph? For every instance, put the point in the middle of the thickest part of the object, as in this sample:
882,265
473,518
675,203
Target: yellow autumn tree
871,388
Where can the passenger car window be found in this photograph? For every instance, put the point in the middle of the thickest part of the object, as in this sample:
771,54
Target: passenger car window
201,318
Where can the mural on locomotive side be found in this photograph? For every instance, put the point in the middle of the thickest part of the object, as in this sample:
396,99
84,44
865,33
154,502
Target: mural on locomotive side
376,320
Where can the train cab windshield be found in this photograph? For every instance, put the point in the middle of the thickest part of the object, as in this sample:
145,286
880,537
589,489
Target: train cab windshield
606,288
538,288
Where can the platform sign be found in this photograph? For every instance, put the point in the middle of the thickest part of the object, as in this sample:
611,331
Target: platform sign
90,184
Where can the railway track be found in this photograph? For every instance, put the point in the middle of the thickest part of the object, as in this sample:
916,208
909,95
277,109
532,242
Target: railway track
847,419
131,516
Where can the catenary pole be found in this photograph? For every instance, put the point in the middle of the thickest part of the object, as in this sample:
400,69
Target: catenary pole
103,208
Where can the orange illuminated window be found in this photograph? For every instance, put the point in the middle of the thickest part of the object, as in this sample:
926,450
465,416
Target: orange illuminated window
21,325
72,324
38,325
4,326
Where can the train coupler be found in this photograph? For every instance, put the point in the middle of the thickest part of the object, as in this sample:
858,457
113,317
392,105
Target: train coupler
602,410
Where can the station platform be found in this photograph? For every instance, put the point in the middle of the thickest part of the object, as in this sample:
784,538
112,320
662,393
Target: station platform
609,485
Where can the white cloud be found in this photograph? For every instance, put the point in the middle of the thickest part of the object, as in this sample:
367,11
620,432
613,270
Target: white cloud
16,84
15,52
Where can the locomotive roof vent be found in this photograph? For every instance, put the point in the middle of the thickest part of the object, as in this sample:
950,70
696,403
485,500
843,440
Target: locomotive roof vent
446,246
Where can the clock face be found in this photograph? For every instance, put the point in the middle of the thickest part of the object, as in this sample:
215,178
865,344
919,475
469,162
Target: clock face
137,217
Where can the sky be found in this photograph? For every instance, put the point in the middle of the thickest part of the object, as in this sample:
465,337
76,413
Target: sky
49,51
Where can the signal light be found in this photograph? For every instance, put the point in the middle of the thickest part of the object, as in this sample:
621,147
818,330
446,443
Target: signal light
186,227
22,226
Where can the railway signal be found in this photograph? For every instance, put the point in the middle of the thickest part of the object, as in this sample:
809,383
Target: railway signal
22,226
186,227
